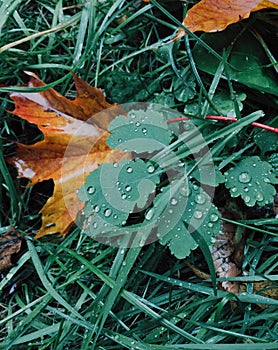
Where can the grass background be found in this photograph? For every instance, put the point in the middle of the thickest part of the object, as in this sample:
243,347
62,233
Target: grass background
75,293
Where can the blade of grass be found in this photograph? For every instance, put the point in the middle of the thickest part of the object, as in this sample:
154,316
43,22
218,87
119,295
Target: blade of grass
46,283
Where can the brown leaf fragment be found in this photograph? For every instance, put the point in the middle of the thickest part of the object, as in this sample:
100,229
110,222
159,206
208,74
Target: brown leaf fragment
10,244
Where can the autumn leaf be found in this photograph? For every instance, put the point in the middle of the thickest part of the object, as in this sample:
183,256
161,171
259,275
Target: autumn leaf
74,144
216,15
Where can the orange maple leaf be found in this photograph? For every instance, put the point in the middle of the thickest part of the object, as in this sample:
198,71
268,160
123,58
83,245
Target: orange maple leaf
74,144
216,15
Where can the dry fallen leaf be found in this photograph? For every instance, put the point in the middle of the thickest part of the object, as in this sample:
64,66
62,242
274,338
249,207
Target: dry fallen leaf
216,15
74,144
10,244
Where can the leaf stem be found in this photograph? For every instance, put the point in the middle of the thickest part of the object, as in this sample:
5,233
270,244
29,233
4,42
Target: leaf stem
228,119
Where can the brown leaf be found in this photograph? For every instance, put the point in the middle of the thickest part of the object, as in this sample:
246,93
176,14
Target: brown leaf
216,15
74,144
10,244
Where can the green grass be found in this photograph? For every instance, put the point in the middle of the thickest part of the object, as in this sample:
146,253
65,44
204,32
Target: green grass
75,293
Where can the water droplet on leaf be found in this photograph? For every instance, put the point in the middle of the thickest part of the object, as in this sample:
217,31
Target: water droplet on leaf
96,208
129,170
198,214
150,169
244,177
184,191
247,199
107,212
214,217
200,199
174,201
149,214
259,197
128,188
144,130
91,189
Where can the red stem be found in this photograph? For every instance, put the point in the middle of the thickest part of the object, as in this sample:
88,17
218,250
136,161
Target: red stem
228,119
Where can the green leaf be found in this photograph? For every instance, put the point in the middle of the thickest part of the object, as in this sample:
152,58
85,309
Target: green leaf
252,179
190,209
141,131
267,140
273,161
113,191
247,60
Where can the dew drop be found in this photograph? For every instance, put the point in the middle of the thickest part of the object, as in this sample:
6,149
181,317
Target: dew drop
184,191
214,217
120,140
91,189
149,214
150,169
233,189
128,188
142,242
129,170
115,165
266,180
174,201
137,123
170,211
245,189
144,131
198,214
244,177
96,208
259,197
132,115
187,126
210,225
181,164
200,199
247,199
107,212
115,216
95,225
